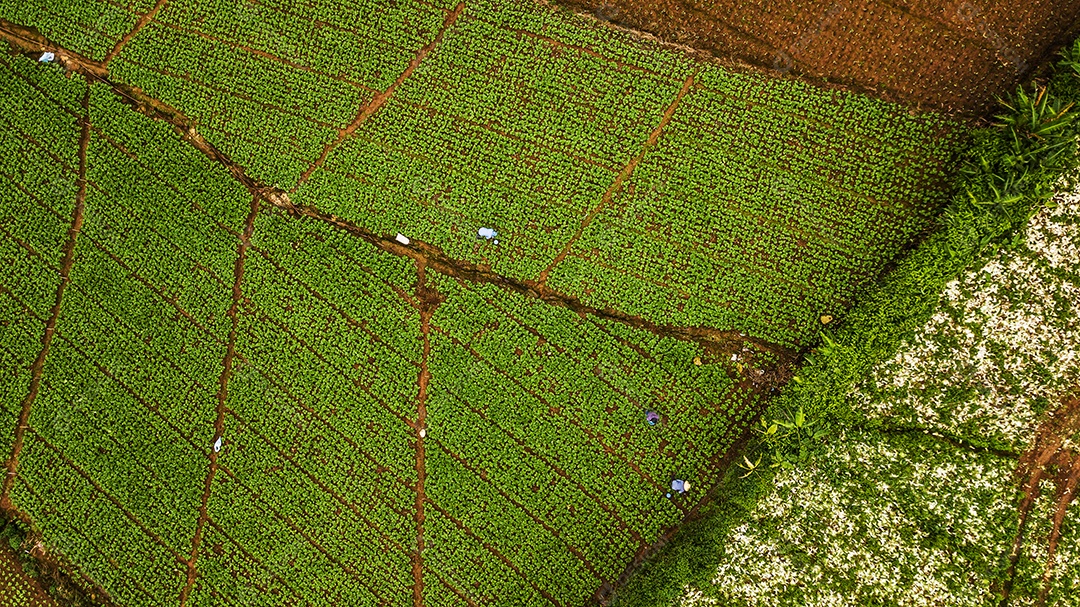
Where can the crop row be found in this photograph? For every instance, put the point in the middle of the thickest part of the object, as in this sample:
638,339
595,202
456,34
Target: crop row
601,385
230,575
882,170
536,485
535,199
486,73
37,195
231,65
84,527
469,566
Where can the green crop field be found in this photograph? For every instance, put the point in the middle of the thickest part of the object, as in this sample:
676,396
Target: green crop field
224,382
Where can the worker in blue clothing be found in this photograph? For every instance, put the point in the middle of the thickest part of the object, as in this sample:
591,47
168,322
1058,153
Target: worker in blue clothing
679,486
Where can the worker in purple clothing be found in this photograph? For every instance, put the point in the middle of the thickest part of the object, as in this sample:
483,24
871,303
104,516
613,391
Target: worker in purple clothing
652,417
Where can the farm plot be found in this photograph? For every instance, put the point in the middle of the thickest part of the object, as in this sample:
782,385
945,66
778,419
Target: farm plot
616,171
681,193
242,407
537,451
755,212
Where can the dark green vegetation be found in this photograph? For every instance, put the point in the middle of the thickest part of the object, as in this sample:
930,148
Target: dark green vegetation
1007,175
407,425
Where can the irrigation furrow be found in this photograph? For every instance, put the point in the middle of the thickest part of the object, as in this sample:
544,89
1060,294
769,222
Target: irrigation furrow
623,176
468,601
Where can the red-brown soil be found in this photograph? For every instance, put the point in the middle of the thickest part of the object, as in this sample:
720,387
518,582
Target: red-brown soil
1049,458
952,56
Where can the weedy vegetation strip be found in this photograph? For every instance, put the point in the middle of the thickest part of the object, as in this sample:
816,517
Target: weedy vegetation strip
1007,174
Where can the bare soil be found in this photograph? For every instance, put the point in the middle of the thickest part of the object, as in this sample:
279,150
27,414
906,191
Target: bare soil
1052,458
954,56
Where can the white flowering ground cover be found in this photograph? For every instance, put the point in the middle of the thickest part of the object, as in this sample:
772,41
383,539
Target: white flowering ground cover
1001,350
912,510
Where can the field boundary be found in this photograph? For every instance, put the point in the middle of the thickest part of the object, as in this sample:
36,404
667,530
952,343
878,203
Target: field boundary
969,233
782,58
222,395
429,300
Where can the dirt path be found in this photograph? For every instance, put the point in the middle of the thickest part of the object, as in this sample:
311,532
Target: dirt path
50,325
428,301
381,98
620,179
1049,458
953,56
222,395
128,37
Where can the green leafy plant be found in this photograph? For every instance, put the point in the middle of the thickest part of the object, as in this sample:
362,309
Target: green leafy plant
788,440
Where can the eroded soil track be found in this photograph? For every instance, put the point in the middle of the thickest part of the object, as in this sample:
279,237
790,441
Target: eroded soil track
1054,456
955,56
